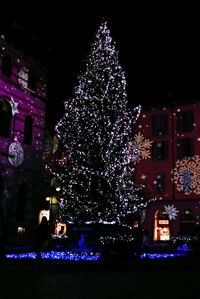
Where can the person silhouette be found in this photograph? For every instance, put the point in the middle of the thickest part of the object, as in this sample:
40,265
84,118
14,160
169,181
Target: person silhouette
43,235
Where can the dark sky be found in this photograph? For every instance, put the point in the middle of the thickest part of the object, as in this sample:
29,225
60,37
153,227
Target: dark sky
158,49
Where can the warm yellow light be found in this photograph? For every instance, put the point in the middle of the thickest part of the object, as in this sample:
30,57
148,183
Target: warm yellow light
21,230
43,213
60,228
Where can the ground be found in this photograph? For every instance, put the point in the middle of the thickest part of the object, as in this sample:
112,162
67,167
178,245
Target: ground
153,279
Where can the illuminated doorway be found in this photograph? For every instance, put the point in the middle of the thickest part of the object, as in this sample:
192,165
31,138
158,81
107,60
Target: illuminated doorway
161,226
60,229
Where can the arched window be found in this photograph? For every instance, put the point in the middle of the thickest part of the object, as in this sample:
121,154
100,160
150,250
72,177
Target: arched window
6,68
28,130
5,117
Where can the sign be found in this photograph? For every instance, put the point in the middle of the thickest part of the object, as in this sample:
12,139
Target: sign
163,221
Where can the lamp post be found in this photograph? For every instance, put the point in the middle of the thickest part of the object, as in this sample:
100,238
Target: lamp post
48,199
53,203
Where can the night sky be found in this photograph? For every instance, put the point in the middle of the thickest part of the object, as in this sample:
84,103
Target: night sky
158,49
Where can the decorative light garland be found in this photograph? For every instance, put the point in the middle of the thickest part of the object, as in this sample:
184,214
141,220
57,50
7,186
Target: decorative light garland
57,255
70,256
97,184
154,256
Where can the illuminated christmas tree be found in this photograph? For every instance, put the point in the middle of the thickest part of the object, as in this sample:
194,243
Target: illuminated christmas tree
95,131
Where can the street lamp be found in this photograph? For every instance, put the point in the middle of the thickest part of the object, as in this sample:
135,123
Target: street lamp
53,206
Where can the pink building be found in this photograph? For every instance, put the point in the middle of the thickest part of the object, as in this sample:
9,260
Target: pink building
168,138
22,121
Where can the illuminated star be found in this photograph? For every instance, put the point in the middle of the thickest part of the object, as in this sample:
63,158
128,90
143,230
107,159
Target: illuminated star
172,211
14,106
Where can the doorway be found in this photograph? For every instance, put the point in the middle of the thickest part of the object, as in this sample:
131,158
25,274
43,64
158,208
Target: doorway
161,226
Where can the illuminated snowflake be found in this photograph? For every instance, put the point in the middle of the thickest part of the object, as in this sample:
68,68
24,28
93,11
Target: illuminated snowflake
186,175
171,211
140,147
186,181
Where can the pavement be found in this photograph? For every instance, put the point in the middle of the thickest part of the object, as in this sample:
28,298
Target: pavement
105,279
114,276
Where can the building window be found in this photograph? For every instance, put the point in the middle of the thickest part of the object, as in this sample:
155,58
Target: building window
5,118
28,130
6,68
160,183
185,148
21,202
1,189
160,150
160,124
184,121
32,80
188,223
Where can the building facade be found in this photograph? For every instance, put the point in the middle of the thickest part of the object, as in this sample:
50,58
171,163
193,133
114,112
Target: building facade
167,151
22,120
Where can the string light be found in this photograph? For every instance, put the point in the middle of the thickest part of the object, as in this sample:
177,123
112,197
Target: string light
57,255
97,182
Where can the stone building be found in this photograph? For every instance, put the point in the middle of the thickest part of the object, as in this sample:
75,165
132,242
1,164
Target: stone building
23,97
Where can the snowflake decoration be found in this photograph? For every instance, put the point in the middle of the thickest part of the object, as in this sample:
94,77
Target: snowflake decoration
186,175
186,181
140,148
171,211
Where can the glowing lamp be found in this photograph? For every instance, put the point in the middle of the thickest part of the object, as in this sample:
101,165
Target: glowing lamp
60,228
44,213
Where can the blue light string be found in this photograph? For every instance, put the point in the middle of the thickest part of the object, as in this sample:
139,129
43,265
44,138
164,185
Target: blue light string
84,256
56,255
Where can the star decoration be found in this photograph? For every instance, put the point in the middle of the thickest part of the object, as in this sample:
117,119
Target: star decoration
172,211
14,106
